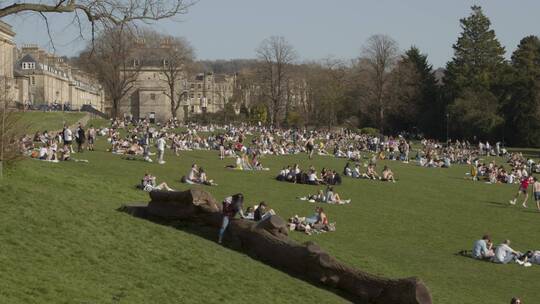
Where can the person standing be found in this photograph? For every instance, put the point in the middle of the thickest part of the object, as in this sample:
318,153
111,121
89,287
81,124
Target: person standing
536,192
231,206
91,138
310,145
160,144
68,138
80,138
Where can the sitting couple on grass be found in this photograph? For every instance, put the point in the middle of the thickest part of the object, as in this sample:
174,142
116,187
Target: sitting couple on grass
317,223
149,184
328,196
387,175
503,254
197,175
243,163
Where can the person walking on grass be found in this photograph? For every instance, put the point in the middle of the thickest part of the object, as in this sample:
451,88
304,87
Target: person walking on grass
523,188
160,144
231,206
310,145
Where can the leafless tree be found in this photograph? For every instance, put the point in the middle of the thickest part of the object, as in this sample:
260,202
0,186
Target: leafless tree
10,129
275,55
379,56
111,59
100,12
177,59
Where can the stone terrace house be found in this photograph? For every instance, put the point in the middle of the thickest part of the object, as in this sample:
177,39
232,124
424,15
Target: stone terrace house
8,88
53,81
202,93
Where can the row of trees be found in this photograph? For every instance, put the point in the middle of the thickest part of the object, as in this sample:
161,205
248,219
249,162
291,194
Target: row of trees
479,94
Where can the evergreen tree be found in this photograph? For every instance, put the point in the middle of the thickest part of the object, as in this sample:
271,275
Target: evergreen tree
523,107
474,73
426,101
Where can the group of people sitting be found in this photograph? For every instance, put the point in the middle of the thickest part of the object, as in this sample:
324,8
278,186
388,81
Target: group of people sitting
370,173
483,249
316,223
328,196
197,175
294,174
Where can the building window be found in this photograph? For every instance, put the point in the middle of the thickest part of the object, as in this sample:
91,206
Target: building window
33,80
191,95
192,109
153,96
28,65
199,86
136,62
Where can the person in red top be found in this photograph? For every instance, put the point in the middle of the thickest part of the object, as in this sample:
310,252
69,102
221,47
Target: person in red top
231,206
523,188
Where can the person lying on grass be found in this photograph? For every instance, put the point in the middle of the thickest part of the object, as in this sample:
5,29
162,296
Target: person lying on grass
316,223
328,196
148,184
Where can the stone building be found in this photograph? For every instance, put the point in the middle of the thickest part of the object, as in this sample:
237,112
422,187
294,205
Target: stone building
148,97
52,81
8,88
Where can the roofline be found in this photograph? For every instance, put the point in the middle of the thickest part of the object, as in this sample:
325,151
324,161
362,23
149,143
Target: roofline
6,28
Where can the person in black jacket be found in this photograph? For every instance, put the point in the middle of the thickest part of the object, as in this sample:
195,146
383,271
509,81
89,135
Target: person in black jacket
80,138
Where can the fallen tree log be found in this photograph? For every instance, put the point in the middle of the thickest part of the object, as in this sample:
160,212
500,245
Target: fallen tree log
268,242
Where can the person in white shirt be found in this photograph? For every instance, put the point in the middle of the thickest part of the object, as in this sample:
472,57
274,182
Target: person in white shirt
160,144
504,254
68,138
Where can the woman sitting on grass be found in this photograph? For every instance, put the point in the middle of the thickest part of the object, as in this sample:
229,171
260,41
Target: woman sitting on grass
371,173
388,175
327,196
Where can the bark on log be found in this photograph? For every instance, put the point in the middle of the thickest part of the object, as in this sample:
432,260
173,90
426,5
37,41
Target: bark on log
268,242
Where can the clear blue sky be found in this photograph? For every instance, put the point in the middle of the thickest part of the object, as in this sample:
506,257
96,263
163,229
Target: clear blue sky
224,29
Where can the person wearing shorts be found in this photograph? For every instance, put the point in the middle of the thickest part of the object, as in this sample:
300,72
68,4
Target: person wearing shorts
523,188
309,147
536,191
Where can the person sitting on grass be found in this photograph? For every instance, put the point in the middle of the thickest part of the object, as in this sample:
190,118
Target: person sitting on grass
347,171
483,248
388,175
193,175
504,254
65,154
203,179
356,172
371,173
332,197
232,205
148,184
312,177
263,212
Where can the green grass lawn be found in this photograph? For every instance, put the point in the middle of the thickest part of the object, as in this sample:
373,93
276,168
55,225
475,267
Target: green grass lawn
62,240
51,121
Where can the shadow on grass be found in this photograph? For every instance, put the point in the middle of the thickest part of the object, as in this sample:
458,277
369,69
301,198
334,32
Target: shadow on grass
497,204
201,230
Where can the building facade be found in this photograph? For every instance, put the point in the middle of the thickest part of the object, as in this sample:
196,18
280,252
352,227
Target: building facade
149,95
52,81
8,90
